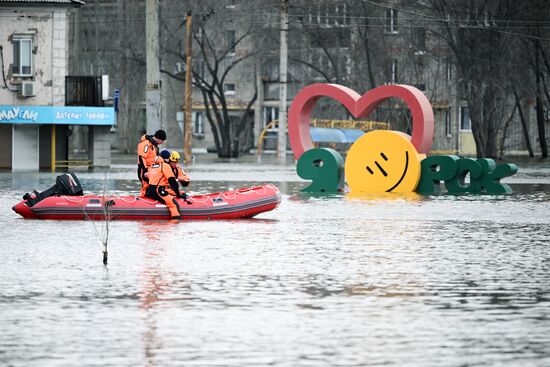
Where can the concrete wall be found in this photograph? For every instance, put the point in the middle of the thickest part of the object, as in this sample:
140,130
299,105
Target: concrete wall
59,57
467,144
48,29
99,145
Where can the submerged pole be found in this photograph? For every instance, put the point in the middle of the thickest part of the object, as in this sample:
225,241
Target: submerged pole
105,255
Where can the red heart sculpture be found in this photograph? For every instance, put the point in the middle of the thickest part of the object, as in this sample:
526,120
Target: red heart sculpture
359,107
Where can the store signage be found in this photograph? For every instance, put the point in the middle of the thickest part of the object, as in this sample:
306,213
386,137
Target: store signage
62,115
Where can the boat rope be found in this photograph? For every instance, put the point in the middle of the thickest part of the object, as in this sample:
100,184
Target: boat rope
208,198
123,198
78,199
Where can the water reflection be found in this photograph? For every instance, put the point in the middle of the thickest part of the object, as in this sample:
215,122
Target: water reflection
152,284
152,281
384,196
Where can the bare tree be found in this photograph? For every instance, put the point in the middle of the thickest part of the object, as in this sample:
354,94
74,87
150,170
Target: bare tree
476,33
537,12
218,55
211,84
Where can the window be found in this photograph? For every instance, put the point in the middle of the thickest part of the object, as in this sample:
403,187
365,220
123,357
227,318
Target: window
394,71
421,87
314,14
448,131
271,90
325,62
327,13
420,39
465,122
198,123
270,114
347,65
449,71
391,21
229,89
342,15
200,68
230,41
22,56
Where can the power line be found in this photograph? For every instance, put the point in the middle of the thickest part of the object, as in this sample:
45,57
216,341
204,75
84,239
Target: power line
459,25
424,22
236,14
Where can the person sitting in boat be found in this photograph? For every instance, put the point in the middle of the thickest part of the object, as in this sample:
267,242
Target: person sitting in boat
163,186
148,150
179,172
173,158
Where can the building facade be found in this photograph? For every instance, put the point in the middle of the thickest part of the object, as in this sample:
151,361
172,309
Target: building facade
354,43
34,122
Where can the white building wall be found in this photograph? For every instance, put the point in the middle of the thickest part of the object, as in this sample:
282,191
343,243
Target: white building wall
59,56
48,29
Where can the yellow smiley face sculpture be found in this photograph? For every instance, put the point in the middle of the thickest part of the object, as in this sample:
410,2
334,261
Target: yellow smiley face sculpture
383,161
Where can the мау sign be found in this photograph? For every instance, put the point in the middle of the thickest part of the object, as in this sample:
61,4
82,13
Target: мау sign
61,115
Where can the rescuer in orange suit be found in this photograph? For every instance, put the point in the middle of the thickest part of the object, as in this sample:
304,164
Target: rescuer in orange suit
181,175
174,158
163,185
148,150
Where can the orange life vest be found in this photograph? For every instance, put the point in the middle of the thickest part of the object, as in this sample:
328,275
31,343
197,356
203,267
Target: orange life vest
147,151
181,175
159,173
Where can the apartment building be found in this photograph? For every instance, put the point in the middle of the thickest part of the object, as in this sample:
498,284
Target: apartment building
35,123
355,43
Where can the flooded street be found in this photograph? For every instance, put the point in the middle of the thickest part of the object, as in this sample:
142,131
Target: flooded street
324,280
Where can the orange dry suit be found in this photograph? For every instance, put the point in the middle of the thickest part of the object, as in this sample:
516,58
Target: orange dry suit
181,176
148,151
164,187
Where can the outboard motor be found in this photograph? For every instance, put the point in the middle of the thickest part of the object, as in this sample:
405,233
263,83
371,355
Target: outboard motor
65,184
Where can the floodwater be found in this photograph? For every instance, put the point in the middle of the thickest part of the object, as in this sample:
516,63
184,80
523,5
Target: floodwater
325,280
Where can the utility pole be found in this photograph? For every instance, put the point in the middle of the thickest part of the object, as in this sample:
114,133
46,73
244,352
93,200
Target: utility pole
188,124
153,103
281,136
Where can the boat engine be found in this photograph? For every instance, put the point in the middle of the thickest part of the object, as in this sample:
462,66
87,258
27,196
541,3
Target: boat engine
65,184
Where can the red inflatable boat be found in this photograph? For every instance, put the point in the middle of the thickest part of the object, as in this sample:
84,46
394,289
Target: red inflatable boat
242,203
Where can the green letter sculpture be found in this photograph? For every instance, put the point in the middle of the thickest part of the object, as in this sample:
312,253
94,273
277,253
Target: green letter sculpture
458,183
489,182
436,168
325,167
485,175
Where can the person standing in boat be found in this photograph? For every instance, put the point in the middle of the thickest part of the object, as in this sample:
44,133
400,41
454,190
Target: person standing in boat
148,150
163,185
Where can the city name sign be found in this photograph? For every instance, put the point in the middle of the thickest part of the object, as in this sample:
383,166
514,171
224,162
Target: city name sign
384,160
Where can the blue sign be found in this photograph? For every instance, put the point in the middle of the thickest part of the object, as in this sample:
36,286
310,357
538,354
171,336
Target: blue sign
116,97
60,115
